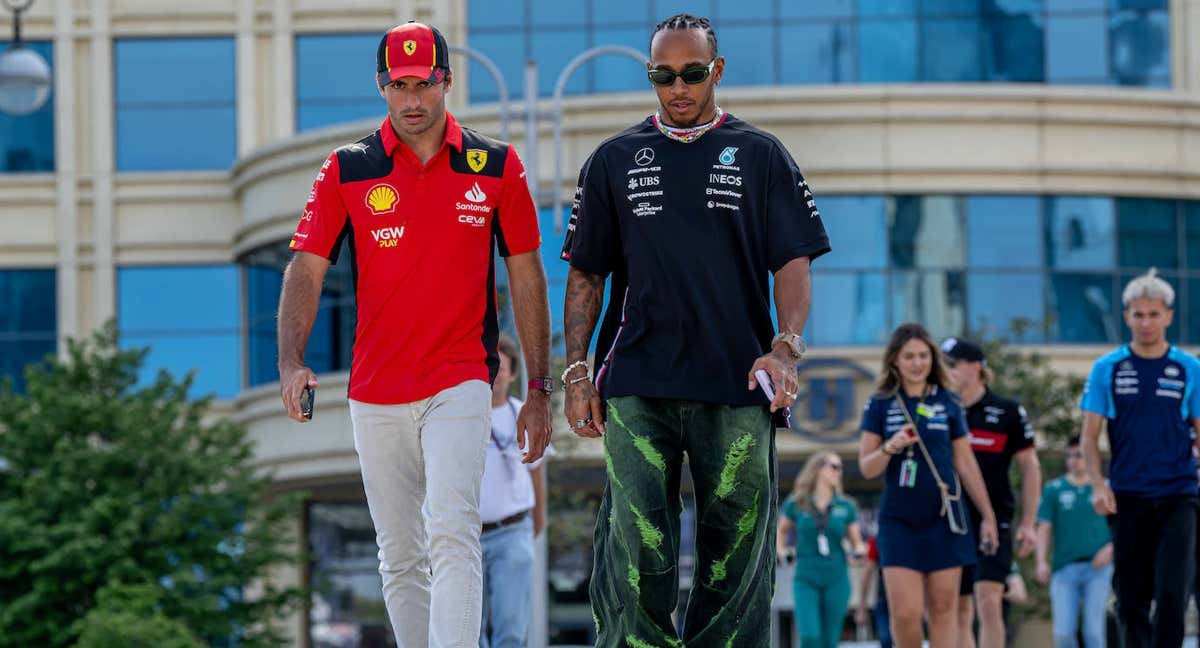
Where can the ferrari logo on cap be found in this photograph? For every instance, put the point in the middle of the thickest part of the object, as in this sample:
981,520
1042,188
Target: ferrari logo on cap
410,46
476,159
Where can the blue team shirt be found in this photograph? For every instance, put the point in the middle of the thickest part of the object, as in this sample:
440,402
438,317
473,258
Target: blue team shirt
1150,405
922,503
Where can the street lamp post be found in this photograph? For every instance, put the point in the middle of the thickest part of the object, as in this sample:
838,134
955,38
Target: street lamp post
24,74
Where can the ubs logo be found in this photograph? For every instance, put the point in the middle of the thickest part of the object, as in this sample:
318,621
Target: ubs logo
828,405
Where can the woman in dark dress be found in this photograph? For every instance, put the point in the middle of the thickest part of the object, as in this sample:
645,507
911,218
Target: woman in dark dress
914,432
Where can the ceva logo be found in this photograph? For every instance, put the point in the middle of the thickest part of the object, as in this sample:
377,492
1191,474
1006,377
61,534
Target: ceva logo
387,237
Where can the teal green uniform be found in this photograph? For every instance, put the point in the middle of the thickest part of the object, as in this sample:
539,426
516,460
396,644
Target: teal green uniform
1078,531
821,584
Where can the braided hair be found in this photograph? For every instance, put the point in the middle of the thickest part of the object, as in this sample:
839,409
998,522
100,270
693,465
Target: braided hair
688,21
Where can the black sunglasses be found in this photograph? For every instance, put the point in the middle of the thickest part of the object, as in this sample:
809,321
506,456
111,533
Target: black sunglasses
690,76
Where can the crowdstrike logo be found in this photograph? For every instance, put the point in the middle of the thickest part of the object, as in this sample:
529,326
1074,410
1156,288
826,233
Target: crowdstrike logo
475,194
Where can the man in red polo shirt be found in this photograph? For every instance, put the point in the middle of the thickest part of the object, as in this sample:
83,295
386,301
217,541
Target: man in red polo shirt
424,203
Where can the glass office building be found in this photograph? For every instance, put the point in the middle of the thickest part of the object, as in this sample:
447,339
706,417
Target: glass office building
976,162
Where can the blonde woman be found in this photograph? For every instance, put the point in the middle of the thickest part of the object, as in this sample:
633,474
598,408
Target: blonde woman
821,517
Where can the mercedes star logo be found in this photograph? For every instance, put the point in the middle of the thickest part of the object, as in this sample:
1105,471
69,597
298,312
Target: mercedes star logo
644,156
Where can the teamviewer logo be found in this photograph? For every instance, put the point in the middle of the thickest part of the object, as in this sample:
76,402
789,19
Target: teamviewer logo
475,194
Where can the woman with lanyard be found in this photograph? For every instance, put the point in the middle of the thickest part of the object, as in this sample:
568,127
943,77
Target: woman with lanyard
915,431
821,517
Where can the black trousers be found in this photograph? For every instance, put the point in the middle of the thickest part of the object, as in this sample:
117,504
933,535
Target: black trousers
1154,550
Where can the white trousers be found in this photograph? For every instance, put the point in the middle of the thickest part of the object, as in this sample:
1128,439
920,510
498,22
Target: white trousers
421,465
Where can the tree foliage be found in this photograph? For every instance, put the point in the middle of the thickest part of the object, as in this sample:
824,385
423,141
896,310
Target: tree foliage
107,486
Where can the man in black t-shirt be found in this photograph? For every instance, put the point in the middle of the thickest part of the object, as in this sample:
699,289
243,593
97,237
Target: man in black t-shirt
1000,432
690,212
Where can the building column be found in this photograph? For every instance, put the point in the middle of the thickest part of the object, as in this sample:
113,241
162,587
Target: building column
283,72
248,134
66,223
104,305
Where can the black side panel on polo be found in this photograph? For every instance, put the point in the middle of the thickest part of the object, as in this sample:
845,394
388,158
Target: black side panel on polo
364,159
481,155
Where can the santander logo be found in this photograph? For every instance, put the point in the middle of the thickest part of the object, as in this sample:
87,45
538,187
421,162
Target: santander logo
475,194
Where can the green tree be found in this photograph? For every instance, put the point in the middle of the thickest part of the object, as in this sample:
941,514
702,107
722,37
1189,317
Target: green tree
105,484
128,615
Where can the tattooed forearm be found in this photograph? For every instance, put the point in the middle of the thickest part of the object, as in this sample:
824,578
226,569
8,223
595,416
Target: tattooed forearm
585,295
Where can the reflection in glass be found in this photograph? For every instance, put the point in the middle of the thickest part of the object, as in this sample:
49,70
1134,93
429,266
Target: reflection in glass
148,106
190,317
858,223
1013,48
826,50
28,321
1079,232
951,49
347,600
1002,232
1147,233
928,231
935,299
1076,48
330,345
27,141
887,50
325,93
996,299
849,308
1083,308
1139,48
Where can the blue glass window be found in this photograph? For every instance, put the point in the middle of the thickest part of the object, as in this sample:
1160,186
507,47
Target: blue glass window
190,318
727,10
1189,293
856,226
849,308
27,141
507,51
812,9
949,7
928,231
1083,308
555,13
1002,232
887,50
1147,233
817,52
28,321
175,106
615,72
496,15
1076,48
1079,232
553,50
330,344
952,48
996,299
334,80
936,299
1013,48
887,7
626,13
743,48
1191,227
1139,43
666,8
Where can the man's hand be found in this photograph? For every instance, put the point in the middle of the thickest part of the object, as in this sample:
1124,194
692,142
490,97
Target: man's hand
533,425
582,403
781,367
989,538
1043,572
1103,500
1103,557
862,614
292,381
1026,540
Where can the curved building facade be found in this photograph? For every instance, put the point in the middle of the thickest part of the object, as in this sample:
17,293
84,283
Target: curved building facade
975,161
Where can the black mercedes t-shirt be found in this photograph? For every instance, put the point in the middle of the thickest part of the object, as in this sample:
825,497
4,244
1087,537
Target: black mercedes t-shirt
999,429
690,234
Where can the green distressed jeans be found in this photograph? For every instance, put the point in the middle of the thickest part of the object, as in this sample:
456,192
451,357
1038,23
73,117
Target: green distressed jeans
634,587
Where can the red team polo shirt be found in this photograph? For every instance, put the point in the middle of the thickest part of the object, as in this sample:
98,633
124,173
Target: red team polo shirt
422,241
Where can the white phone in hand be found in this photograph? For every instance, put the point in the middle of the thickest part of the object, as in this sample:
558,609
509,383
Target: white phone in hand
764,381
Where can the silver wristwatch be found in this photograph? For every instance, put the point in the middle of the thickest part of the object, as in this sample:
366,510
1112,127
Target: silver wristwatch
795,344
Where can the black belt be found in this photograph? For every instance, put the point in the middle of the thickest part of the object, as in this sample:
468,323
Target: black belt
512,519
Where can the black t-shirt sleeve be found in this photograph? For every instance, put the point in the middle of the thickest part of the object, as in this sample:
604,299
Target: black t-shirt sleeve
872,420
1020,430
592,241
794,227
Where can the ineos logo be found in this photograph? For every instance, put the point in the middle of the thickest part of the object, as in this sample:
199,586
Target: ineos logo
644,156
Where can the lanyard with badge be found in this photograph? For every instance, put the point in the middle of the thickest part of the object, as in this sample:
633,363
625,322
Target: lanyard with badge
908,470
505,448
821,519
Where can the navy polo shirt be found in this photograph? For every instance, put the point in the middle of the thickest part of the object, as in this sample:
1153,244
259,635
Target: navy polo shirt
1150,404
690,234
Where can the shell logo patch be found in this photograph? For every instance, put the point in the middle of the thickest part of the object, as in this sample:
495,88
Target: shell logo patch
381,199
476,159
410,46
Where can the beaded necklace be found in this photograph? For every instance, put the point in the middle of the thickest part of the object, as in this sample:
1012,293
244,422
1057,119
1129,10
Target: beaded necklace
691,133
